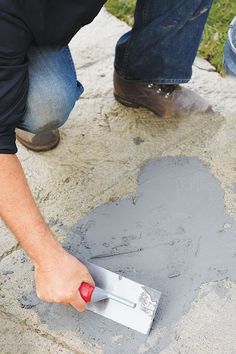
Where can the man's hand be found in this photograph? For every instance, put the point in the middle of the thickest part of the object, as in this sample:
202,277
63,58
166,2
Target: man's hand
58,274
59,279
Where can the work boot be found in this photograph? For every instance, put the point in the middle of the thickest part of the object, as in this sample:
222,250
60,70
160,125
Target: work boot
38,142
163,100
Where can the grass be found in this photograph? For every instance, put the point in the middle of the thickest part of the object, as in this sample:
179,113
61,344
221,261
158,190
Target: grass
215,34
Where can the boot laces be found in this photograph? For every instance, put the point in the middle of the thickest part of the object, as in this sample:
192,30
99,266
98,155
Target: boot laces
164,90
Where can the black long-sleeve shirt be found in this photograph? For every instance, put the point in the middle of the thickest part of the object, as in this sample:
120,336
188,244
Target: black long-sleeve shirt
31,22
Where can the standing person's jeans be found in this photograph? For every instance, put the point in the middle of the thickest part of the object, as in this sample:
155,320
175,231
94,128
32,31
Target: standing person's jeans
161,48
163,42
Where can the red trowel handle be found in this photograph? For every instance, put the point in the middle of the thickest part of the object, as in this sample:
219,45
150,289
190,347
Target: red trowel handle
86,291
91,294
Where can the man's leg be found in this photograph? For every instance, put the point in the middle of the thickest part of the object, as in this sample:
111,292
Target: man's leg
161,47
53,91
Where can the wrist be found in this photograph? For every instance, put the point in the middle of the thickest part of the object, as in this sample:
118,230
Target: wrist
47,252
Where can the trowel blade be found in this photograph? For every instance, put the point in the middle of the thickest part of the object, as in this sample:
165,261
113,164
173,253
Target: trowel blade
146,299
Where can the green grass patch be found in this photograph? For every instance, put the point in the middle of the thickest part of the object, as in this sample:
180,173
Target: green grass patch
215,34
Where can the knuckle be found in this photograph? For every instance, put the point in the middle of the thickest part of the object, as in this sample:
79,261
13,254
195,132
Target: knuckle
59,299
84,273
87,276
65,298
70,297
41,296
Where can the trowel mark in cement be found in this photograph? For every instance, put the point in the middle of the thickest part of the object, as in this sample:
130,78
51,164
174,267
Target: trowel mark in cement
172,239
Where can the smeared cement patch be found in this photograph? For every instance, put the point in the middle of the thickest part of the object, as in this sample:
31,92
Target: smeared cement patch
170,236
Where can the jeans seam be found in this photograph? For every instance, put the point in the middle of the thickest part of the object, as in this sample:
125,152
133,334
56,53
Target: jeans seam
71,62
131,42
75,74
125,59
164,81
146,9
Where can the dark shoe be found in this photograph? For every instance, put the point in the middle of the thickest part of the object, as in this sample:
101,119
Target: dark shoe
163,100
38,142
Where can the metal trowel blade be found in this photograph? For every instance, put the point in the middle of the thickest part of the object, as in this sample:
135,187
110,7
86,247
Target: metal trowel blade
139,318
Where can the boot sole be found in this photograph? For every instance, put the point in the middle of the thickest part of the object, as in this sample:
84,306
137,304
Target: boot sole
126,103
39,148
129,104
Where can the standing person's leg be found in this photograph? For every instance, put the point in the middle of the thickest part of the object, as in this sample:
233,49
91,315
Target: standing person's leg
161,47
53,92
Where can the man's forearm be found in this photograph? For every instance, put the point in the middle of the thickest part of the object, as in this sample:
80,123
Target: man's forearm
20,213
58,275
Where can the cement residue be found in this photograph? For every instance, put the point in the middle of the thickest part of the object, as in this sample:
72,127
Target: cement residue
178,221
147,304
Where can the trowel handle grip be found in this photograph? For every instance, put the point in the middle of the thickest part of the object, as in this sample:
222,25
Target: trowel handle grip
86,291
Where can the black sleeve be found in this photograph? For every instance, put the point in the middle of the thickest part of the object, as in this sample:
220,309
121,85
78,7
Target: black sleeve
15,39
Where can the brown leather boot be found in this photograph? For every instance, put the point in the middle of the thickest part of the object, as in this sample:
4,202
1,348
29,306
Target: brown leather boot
38,142
163,100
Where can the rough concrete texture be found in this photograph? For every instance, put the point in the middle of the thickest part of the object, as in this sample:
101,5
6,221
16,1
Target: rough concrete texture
17,338
181,214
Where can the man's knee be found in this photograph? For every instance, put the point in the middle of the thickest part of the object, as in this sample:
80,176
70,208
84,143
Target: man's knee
49,109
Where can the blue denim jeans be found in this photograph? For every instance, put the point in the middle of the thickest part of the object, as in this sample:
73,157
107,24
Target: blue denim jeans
164,41
160,48
53,89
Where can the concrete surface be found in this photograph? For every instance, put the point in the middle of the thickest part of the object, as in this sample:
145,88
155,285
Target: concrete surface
25,340
180,212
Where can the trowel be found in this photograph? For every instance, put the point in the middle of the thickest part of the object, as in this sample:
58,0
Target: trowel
120,299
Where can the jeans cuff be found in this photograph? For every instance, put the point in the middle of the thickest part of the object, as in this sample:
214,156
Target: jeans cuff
168,81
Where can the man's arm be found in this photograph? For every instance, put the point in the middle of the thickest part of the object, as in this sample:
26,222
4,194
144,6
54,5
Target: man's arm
58,275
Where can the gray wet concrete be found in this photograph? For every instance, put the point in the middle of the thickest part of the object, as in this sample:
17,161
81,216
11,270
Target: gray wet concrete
173,235
169,224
